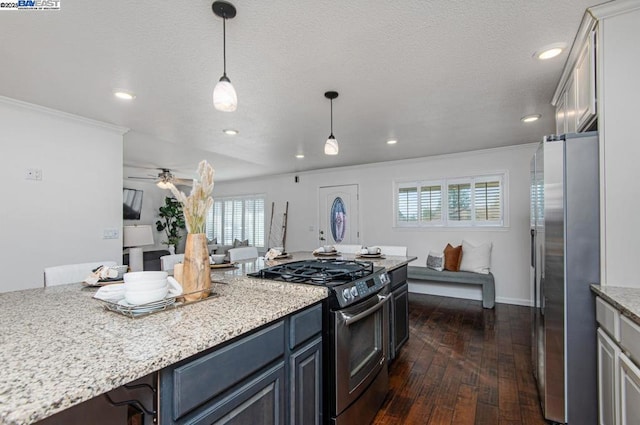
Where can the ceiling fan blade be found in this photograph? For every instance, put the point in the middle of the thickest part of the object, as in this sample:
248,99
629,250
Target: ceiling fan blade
142,178
184,182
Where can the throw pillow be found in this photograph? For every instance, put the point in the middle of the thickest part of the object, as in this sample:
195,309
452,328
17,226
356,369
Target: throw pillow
238,243
476,258
452,257
435,261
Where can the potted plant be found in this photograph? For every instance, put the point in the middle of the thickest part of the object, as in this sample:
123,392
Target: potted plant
171,221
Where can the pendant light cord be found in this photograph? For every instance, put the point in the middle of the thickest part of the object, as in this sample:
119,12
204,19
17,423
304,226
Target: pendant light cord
224,45
332,117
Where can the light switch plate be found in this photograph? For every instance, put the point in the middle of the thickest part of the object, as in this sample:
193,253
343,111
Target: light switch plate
33,174
110,234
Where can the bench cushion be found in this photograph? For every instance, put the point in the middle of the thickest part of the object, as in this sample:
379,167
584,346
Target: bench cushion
486,280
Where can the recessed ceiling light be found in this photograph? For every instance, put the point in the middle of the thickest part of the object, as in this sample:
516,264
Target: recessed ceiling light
530,118
299,156
392,142
550,51
230,131
124,95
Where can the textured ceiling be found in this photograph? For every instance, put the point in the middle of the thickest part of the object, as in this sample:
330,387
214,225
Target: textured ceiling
441,76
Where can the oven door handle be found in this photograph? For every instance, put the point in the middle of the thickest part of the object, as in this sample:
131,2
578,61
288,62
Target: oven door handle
349,319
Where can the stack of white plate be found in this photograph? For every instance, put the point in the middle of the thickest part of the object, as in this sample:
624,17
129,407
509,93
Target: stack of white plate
145,287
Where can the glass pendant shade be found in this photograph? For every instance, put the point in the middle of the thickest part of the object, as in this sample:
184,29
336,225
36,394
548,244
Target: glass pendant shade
331,146
224,96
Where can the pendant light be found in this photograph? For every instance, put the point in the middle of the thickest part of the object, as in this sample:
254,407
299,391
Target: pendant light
331,145
224,95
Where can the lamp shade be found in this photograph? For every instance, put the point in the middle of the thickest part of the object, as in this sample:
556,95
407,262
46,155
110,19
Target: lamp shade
135,236
224,96
331,146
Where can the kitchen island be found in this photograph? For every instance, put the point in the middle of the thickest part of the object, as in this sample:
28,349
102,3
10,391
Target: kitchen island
60,347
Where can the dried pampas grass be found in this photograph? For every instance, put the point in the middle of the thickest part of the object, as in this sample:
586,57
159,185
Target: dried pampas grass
196,206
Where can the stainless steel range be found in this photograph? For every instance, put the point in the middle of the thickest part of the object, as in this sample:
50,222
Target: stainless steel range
356,322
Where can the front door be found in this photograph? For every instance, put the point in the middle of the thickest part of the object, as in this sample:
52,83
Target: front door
338,215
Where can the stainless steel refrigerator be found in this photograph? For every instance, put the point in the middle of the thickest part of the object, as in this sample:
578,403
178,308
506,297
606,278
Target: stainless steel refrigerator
565,259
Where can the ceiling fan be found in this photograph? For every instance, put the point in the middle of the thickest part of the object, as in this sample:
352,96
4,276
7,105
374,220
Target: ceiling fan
164,177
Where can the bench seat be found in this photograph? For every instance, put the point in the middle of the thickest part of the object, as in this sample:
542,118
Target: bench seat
486,280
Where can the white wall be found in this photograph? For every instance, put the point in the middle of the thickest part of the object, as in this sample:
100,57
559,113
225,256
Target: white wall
510,259
60,219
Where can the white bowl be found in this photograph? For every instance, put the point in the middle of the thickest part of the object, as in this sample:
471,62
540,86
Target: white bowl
218,258
145,285
135,276
121,270
144,297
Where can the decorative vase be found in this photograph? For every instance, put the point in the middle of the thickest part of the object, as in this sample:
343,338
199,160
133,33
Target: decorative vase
196,274
171,249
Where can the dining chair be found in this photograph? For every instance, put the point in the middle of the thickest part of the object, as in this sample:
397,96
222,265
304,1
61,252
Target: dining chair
168,261
348,249
243,253
71,273
393,250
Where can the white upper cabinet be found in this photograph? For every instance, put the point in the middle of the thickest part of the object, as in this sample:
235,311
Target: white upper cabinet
585,84
575,97
561,114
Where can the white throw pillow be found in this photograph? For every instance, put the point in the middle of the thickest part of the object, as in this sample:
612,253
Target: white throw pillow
435,260
476,258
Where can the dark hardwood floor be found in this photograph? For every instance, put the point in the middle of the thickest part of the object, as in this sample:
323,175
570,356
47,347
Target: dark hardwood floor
463,365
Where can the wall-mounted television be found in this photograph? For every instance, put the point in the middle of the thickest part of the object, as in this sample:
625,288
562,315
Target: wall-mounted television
131,204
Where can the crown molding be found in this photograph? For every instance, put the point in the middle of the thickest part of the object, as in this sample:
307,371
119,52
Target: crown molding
65,115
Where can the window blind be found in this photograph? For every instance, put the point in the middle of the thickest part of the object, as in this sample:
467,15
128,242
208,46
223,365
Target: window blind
459,201
237,218
468,201
487,201
431,203
408,204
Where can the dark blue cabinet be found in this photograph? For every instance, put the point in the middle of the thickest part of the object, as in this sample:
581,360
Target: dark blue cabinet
271,376
399,317
305,384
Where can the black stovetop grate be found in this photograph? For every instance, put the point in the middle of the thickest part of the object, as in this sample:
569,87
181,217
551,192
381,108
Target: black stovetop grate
318,272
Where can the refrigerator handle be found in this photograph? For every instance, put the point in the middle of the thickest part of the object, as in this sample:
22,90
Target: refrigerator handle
533,248
543,299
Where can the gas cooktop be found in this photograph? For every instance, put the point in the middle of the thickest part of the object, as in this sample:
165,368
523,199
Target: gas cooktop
326,272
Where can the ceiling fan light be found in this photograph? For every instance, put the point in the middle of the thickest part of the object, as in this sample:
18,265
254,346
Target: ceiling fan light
331,146
224,96
163,184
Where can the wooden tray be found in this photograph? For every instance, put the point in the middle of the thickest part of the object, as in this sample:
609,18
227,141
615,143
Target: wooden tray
103,283
223,266
327,254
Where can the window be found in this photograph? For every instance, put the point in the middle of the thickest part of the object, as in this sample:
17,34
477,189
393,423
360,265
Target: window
419,202
459,195
240,217
470,201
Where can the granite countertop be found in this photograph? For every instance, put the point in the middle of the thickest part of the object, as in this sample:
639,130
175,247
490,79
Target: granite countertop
627,300
60,347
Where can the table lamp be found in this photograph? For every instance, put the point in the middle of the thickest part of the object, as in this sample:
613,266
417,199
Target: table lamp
134,238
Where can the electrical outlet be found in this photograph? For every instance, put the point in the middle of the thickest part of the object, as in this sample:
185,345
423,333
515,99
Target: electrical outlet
110,234
33,174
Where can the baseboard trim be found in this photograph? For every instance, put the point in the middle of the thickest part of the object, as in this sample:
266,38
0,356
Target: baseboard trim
467,292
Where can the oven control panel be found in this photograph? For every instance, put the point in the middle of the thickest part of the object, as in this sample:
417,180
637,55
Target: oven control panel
350,293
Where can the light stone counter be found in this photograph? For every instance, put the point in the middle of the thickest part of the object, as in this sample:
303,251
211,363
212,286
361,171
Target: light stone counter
59,347
627,300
